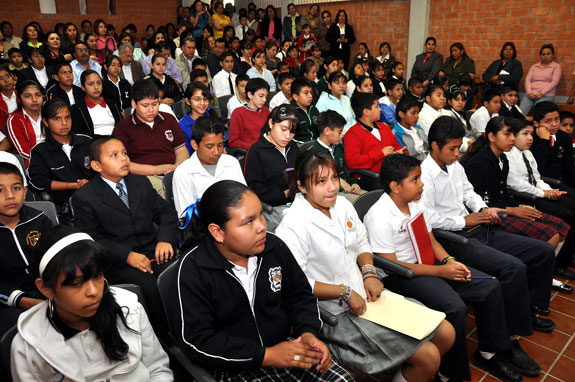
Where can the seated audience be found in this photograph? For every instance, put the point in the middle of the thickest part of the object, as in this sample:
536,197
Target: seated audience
25,226
223,81
115,87
63,86
406,129
272,61
505,71
131,69
246,338
37,71
304,42
60,165
541,80
283,96
385,57
207,165
213,59
457,64
83,61
197,97
356,70
247,121
335,99
389,102
433,107
268,159
258,69
368,141
363,84
457,101
172,92
186,58
171,69
308,71
302,102
490,109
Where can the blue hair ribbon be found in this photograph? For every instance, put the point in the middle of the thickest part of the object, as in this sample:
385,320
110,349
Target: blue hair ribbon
186,216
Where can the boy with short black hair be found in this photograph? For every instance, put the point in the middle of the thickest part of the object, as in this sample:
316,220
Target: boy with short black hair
368,141
567,123
415,89
282,67
63,86
240,98
284,95
387,103
16,60
37,71
20,229
223,81
242,28
302,101
509,100
406,129
207,165
490,109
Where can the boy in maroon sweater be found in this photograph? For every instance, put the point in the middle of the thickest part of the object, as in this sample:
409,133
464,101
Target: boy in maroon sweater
368,141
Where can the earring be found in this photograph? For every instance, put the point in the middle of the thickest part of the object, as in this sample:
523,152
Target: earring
106,286
51,307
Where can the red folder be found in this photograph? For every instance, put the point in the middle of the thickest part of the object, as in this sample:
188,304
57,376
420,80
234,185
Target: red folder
419,236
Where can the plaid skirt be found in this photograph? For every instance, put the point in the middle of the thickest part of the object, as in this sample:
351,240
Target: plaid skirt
335,374
542,229
368,348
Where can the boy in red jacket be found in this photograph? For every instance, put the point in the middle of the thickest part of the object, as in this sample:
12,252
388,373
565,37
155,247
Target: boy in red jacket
368,141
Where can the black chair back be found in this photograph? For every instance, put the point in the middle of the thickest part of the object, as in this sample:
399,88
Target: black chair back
5,345
168,190
364,202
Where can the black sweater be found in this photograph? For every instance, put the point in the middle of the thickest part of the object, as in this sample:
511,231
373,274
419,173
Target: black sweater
265,168
55,91
82,121
213,319
122,96
557,161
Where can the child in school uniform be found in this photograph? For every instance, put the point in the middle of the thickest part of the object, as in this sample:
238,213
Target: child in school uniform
389,102
207,165
368,141
292,59
269,158
240,98
567,125
335,99
552,147
172,92
445,285
259,70
308,71
490,109
433,107
8,99
86,329
16,61
37,71
223,81
20,228
312,230
63,86
305,41
329,66
197,97
302,101
115,87
283,96
456,101
509,100
415,89
241,294
248,120
406,129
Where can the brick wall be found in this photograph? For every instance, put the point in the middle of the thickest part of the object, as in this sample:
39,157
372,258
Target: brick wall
482,26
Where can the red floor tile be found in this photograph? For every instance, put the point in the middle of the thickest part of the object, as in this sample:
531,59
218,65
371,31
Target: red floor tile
570,351
554,340
565,323
563,305
476,374
543,357
563,369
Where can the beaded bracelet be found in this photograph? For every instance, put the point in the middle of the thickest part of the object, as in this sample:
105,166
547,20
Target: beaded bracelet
342,291
368,270
347,293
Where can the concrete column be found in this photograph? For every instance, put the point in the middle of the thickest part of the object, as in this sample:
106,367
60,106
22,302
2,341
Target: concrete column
418,30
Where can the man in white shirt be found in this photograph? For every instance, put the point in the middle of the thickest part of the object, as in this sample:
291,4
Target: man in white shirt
223,82
82,62
490,109
523,266
207,165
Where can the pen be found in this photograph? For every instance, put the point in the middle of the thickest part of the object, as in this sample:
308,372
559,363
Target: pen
482,277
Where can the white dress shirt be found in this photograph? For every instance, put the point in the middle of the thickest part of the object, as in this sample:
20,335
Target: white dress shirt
428,115
447,196
11,103
37,126
233,104
278,99
127,70
480,118
41,75
221,84
518,178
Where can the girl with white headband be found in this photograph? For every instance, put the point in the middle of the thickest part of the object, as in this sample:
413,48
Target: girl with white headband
86,330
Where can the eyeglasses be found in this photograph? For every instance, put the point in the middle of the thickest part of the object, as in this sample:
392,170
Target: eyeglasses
82,50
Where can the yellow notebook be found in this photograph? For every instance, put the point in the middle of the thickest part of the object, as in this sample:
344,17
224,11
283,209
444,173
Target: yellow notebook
395,312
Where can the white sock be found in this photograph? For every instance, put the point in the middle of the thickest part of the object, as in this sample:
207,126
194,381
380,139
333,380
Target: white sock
442,377
513,338
556,283
487,355
398,377
559,246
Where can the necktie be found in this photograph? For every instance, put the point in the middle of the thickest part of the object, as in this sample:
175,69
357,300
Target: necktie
122,193
231,84
551,141
243,32
529,170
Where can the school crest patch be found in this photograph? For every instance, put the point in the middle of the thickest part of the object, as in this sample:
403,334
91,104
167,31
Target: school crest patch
32,238
169,135
275,274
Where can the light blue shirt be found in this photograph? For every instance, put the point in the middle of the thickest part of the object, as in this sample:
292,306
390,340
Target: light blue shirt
113,185
267,75
171,68
78,69
342,106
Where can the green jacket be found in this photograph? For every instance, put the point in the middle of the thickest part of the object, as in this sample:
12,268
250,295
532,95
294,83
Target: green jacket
339,160
307,129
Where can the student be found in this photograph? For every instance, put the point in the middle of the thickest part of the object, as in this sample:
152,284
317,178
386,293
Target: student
172,92
114,87
9,99
242,28
385,57
389,102
330,124
94,115
171,68
509,99
63,87
356,70
524,177
25,124
397,70
272,61
308,71
121,211
240,97
490,109
244,336
207,165
61,164
336,99
304,42
567,123
446,285
283,67
302,102
82,61
316,56
16,60
247,121
200,75
20,229
432,107
415,89
197,97
246,58
406,129
163,106
378,76
284,96
292,59
457,101
329,67
312,231
259,71
223,81
465,84
523,266
154,140
368,141
552,147
268,159
37,71
86,329
363,84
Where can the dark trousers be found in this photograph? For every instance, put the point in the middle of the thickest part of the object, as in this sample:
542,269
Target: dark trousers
563,208
523,266
9,317
450,297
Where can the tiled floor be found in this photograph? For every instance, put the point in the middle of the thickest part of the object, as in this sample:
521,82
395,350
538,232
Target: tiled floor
554,352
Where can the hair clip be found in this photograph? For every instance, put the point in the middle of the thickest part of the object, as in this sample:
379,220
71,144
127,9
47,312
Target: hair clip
186,216
289,169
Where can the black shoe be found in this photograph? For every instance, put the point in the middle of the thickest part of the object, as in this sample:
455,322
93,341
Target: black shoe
542,324
541,311
520,361
498,367
563,288
565,273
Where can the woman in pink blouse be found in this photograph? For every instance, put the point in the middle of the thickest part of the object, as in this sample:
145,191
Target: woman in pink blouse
542,80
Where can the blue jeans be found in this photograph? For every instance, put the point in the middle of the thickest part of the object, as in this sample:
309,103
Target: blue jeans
527,104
